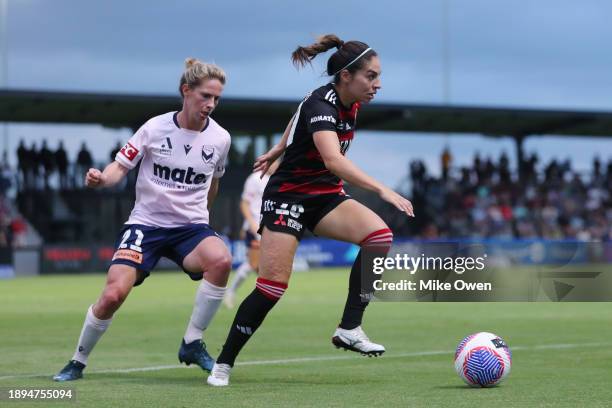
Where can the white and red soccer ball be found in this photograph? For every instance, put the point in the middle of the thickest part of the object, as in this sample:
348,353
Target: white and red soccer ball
483,359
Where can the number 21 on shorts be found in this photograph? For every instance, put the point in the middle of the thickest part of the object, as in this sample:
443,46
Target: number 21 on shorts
136,246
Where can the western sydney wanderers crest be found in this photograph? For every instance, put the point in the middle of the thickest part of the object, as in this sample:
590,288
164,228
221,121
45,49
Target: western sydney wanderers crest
207,153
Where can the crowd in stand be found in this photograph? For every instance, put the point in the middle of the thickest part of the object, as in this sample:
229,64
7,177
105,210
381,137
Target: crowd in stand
38,166
12,226
488,199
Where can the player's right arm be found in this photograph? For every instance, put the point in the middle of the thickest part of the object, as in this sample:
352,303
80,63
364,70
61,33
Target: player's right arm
328,146
112,174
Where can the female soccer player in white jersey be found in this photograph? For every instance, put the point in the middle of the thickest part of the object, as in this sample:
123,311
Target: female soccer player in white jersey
307,192
182,156
250,206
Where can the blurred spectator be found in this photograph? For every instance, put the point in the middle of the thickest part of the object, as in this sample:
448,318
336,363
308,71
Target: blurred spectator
18,228
530,174
566,168
23,165
504,169
489,170
6,224
417,171
47,159
33,168
84,163
61,161
445,160
478,167
6,175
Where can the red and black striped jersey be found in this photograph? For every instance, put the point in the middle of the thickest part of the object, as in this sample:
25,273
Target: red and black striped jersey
302,170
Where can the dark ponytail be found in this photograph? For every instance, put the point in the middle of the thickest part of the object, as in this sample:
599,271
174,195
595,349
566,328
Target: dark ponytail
304,55
347,53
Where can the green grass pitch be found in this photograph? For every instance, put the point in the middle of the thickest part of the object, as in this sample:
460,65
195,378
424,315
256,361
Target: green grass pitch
562,353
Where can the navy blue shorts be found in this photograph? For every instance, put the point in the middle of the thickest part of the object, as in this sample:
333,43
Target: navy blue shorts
141,246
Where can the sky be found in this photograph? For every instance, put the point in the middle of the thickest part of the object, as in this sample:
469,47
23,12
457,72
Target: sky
544,54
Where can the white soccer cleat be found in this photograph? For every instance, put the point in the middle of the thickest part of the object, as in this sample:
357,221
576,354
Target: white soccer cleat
219,376
356,340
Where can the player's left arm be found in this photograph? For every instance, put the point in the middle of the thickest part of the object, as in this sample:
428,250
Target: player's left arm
328,145
212,192
264,162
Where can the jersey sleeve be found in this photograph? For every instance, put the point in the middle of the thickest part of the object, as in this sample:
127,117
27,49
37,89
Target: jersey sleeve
320,115
220,167
132,152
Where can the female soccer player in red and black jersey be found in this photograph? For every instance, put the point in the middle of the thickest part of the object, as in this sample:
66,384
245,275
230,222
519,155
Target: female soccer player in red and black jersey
307,192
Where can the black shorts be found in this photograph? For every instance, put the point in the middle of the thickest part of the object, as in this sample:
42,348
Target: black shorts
291,214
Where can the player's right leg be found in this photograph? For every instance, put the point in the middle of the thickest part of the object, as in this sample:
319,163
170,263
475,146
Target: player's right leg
277,253
119,282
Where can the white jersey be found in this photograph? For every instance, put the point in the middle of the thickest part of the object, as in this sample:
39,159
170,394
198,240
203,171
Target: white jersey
176,170
254,187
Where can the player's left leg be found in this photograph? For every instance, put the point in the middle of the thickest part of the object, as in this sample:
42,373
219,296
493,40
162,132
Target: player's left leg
353,222
278,248
212,259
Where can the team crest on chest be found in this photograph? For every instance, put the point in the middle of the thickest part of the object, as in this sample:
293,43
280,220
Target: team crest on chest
207,153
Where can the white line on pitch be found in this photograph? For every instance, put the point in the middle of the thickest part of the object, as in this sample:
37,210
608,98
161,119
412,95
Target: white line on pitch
311,359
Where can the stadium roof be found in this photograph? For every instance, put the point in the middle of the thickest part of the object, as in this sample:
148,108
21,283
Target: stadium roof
263,116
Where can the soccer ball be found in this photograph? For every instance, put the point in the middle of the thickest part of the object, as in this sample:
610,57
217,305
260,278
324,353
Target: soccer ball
483,360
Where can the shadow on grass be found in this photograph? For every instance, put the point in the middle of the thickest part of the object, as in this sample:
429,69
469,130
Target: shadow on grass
461,387
199,379
141,378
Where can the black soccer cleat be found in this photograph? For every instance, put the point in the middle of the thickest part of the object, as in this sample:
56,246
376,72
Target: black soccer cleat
195,353
72,371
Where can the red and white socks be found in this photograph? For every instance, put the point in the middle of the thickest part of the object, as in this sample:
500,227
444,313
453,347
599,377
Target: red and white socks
249,317
362,277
